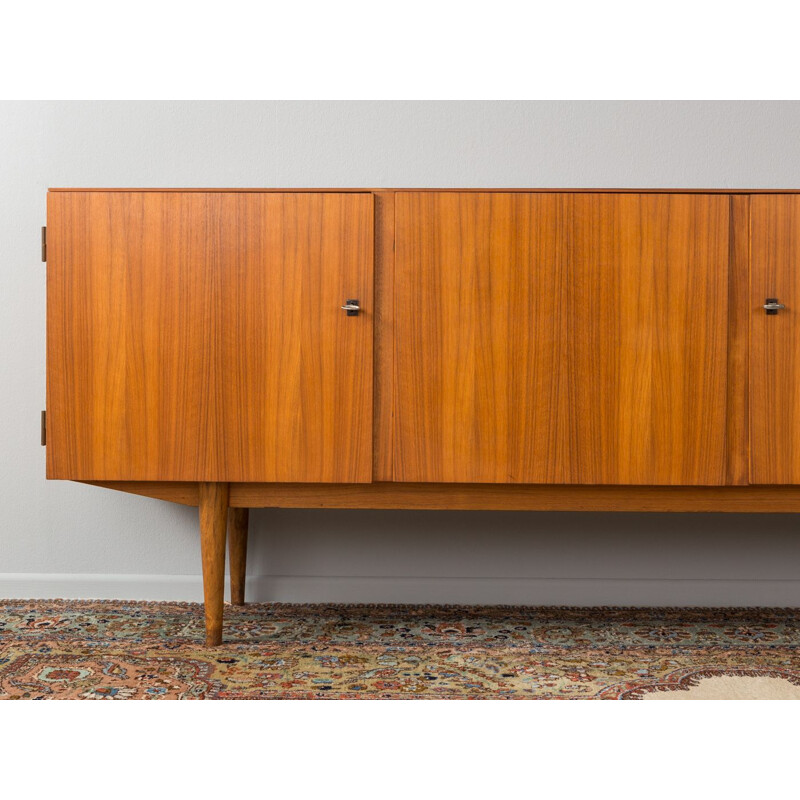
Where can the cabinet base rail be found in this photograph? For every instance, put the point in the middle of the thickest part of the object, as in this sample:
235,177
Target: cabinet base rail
480,496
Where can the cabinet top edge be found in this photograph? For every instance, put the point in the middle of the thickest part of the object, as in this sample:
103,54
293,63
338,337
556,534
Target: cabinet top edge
365,190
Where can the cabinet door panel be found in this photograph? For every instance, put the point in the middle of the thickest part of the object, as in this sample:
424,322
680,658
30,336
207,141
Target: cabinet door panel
199,336
775,340
561,338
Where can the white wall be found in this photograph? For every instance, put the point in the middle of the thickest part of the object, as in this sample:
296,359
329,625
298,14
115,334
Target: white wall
65,539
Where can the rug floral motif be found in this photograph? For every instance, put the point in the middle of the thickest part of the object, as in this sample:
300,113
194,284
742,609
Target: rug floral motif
61,649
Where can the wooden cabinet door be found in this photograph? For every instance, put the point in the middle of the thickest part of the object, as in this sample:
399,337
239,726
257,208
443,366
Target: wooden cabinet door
775,339
561,338
198,336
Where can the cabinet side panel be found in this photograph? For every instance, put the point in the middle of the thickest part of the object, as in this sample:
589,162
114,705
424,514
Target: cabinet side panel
775,340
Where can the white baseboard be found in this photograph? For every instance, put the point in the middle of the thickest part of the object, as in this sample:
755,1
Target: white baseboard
325,589
73,586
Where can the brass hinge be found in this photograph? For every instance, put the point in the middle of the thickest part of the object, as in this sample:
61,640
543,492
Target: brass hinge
44,244
44,428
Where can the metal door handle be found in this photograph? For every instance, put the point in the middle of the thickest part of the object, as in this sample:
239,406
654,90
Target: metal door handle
772,306
351,307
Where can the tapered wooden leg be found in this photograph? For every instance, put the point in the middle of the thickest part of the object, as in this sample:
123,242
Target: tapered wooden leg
213,525
237,551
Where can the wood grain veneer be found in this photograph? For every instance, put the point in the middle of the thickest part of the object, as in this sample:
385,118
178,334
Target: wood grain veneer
775,340
199,336
546,338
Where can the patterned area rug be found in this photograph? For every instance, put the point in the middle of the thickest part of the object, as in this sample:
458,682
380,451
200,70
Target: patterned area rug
121,650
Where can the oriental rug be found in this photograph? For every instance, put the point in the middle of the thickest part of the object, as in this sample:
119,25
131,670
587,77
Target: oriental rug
116,650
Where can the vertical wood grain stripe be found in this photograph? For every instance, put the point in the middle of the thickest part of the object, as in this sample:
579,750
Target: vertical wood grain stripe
737,441
384,337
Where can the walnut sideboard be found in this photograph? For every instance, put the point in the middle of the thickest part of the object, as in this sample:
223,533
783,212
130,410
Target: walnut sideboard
446,349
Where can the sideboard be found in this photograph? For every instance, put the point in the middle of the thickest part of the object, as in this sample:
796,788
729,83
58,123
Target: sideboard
610,350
